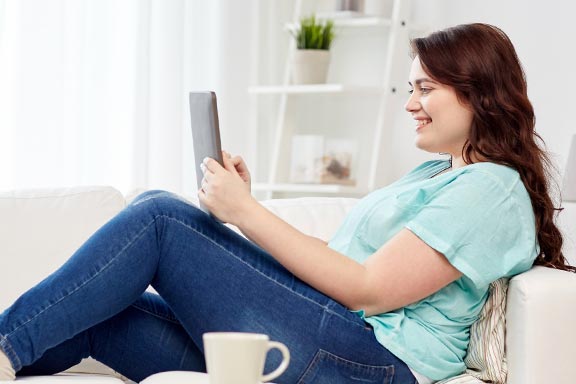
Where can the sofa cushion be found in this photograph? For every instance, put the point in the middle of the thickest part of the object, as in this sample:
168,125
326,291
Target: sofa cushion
42,228
316,216
70,379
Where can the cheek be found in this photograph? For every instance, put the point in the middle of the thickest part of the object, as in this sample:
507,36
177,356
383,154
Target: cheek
463,118
430,107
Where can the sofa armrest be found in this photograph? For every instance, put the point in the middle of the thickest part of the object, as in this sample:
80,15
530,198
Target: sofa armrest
540,337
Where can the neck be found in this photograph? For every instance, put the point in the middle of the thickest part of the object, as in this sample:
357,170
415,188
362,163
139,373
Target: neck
457,162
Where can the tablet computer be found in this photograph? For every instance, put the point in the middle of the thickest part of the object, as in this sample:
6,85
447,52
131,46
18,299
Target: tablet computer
205,131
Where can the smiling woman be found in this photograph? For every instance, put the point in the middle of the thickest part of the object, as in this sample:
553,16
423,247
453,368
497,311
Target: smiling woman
492,86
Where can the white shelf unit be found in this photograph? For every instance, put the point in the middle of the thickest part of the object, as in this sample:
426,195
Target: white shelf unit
369,99
314,89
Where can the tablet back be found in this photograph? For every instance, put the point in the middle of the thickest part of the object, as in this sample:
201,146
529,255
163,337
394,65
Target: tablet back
205,131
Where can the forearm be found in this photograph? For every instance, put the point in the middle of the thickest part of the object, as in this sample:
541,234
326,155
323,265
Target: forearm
402,271
307,257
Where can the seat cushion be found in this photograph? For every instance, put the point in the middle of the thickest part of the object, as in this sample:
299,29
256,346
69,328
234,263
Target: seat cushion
177,377
69,379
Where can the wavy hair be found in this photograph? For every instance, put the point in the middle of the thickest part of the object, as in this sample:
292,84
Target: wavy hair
481,64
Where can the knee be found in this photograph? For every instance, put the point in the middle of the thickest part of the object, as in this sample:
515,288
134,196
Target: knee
149,195
163,201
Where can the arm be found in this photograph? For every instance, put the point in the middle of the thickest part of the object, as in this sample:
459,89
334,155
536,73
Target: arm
402,271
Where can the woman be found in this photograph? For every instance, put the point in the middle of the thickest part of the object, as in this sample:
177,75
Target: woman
392,295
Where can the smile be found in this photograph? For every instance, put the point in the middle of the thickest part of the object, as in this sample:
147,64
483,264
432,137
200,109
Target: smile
422,122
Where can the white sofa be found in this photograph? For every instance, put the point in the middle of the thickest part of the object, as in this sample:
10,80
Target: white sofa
39,229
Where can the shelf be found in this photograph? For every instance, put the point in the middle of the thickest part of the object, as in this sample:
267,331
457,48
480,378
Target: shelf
308,188
364,106
362,21
314,88
349,22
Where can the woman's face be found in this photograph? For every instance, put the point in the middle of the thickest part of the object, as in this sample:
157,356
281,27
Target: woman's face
442,122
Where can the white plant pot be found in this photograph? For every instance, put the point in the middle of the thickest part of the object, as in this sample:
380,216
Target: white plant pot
310,66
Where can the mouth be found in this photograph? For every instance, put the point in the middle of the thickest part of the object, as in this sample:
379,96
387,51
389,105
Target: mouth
421,123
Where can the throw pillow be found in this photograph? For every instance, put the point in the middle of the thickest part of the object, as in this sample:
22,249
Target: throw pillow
486,358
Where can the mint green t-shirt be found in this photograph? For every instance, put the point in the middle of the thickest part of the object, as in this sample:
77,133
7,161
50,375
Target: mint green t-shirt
480,218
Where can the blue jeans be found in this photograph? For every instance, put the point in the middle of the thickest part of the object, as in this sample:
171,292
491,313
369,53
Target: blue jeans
208,279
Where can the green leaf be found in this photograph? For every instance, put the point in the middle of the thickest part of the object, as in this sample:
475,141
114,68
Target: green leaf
313,34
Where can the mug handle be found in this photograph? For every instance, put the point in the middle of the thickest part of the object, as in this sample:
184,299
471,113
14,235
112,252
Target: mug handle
285,361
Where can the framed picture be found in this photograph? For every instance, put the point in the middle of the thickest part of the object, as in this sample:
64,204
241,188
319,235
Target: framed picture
317,159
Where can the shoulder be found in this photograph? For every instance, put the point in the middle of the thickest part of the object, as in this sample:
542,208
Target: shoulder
497,183
480,185
491,172
498,178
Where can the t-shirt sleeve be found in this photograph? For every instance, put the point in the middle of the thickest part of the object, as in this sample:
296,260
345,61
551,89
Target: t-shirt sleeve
478,225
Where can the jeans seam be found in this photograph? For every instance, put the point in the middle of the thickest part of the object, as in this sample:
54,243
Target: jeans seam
325,308
91,278
322,354
6,347
167,318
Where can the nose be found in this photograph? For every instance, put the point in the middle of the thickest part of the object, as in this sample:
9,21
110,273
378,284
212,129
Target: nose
412,104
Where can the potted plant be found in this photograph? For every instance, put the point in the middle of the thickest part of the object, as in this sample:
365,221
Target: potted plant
312,56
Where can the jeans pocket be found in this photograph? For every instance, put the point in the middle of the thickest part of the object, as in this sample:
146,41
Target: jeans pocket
326,368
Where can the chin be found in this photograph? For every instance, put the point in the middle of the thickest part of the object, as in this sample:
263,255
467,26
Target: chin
421,144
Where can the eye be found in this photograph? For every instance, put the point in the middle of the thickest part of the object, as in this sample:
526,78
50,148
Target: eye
411,91
425,90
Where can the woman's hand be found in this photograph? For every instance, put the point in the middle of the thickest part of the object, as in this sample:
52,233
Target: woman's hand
241,168
226,190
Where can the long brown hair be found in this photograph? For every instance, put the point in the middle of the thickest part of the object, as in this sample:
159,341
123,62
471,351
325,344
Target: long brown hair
481,64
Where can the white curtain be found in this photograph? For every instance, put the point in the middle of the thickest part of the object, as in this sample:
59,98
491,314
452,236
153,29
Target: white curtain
94,91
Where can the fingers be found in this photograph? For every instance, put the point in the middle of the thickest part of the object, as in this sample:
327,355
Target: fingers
212,170
236,164
202,196
236,160
208,175
229,165
228,156
211,165
239,164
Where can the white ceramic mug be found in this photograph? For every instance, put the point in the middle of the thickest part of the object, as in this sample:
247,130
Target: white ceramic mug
238,358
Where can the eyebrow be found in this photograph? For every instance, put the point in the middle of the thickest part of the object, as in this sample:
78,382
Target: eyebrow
423,80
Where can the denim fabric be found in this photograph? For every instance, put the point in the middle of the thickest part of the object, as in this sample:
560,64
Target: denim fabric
208,279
